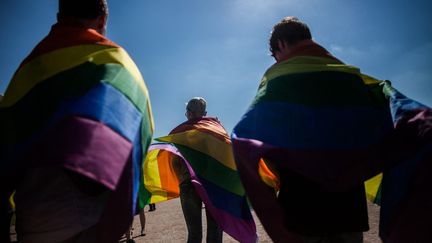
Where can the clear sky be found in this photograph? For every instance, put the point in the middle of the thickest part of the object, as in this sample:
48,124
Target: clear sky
218,49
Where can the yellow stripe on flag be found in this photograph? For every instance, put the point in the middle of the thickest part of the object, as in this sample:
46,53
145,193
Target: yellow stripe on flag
212,146
151,176
372,186
297,65
55,62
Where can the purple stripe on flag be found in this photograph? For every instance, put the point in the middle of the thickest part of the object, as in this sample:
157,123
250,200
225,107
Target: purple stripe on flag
334,169
239,229
165,146
87,147
262,198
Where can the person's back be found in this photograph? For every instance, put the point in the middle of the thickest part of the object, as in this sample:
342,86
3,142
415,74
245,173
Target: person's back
196,164
314,116
315,211
190,200
317,130
84,96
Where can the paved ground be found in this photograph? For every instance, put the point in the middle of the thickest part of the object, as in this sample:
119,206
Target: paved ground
166,224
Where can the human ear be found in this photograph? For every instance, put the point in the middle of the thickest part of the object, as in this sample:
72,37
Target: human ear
282,45
102,24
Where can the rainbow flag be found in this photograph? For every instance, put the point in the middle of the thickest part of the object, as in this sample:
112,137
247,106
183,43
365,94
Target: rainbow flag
160,180
205,148
332,135
79,101
339,139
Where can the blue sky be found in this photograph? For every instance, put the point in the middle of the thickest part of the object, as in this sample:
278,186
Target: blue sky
218,49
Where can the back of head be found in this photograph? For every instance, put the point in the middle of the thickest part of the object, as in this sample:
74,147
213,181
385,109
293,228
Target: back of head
82,9
290,30
196,107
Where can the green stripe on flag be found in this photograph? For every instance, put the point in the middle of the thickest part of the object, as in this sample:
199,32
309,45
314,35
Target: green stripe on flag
322,89
212,170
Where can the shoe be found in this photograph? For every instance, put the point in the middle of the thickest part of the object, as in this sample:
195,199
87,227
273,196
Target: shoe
152,207
130,241
142,232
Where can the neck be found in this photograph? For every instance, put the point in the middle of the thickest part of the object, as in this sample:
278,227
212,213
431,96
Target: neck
97,24
307,48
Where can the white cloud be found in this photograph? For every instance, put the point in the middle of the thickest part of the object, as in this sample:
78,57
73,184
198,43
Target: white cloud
344,52
375,50
258,5
252,9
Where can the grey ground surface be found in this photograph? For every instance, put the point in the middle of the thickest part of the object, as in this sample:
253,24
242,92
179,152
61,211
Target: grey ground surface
166,224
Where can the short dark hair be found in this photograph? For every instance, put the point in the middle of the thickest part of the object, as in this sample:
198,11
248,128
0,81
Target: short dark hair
290,30
85,9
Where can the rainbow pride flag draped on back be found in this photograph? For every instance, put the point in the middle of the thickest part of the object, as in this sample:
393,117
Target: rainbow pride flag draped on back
318,117
80,102
205,148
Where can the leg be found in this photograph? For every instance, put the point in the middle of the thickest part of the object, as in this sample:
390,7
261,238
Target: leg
142,218
191,206
214,232
129,233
